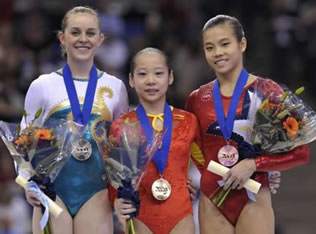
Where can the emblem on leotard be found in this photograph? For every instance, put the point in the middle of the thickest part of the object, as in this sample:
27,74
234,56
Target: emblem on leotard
228,155
161,189
81,149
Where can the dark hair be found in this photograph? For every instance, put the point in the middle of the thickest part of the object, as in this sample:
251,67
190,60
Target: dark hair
73,11
223,19
148,49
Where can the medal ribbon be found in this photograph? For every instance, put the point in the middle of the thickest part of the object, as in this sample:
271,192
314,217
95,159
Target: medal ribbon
80,117
227,124
161,156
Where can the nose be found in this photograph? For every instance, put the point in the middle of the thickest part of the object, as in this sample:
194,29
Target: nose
217,51
150,79
83,37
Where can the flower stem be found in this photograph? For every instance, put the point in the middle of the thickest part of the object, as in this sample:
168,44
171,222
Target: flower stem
221,196
47,228
130,227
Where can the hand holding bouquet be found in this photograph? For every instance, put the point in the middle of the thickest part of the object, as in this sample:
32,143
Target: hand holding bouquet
39,152
128,155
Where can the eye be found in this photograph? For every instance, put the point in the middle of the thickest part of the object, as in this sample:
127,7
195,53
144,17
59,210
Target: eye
141,73
159,73
75,33
226,44
208,48
91,34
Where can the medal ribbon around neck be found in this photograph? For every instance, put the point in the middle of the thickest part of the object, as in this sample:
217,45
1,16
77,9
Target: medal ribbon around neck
80,117
227,124
161,156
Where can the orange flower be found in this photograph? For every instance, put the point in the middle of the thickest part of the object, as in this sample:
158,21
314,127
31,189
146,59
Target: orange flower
291,126
43,134
22,140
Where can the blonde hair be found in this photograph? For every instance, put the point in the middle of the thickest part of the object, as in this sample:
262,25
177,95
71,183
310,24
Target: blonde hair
73,11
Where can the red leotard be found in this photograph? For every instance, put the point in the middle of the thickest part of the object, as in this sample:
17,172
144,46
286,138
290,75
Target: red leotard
200,102
162,216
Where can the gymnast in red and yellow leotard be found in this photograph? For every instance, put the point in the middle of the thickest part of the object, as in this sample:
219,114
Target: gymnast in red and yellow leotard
150,76
162,216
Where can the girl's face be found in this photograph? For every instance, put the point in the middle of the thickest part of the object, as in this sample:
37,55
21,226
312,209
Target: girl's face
81,37
222,50
150,77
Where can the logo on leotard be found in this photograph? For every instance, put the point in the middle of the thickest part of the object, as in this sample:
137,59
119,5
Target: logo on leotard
206,96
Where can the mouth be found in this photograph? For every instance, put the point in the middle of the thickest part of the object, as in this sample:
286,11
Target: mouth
220,62
151,91
83,48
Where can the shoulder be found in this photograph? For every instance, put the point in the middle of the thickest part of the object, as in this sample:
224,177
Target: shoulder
180,114
202,94
110,79
46,79
129,117
267,85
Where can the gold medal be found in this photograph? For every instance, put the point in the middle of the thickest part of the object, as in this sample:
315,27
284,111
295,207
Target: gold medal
161,189
81,149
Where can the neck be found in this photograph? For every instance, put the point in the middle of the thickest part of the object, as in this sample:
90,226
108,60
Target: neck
154,108
80,70
228,81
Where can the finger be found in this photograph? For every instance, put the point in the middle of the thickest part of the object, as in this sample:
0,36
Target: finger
275,174
273,191
275,185
235,184
124,217
227,176
128,211
240,186
228,183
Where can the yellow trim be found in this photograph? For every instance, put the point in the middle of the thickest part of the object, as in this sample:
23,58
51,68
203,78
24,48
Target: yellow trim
197,153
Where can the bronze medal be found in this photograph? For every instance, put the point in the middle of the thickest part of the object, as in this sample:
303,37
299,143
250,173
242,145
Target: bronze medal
228,155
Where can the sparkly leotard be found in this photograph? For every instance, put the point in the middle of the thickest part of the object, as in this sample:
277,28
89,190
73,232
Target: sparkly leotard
77,181
200,102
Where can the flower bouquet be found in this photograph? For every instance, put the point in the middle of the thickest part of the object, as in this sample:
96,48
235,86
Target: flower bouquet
126,160
281,121
39,153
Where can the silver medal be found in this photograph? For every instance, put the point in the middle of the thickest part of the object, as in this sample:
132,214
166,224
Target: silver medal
81,149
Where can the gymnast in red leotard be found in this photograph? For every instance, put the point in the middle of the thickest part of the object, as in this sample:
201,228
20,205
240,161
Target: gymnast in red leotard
151,76
224,44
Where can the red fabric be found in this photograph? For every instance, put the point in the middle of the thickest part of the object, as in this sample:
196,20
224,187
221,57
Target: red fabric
161,216
283,161
200,102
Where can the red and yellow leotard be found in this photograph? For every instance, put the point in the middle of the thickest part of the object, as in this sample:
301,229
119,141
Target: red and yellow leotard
162,216
200,102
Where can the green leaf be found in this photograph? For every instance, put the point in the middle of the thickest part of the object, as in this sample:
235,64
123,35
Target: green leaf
299,90
24,113
18,129
38,113
282,114
284,96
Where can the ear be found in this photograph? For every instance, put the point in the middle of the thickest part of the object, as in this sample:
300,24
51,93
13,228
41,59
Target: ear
61,37
171,78
102,37
131,80
243,44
